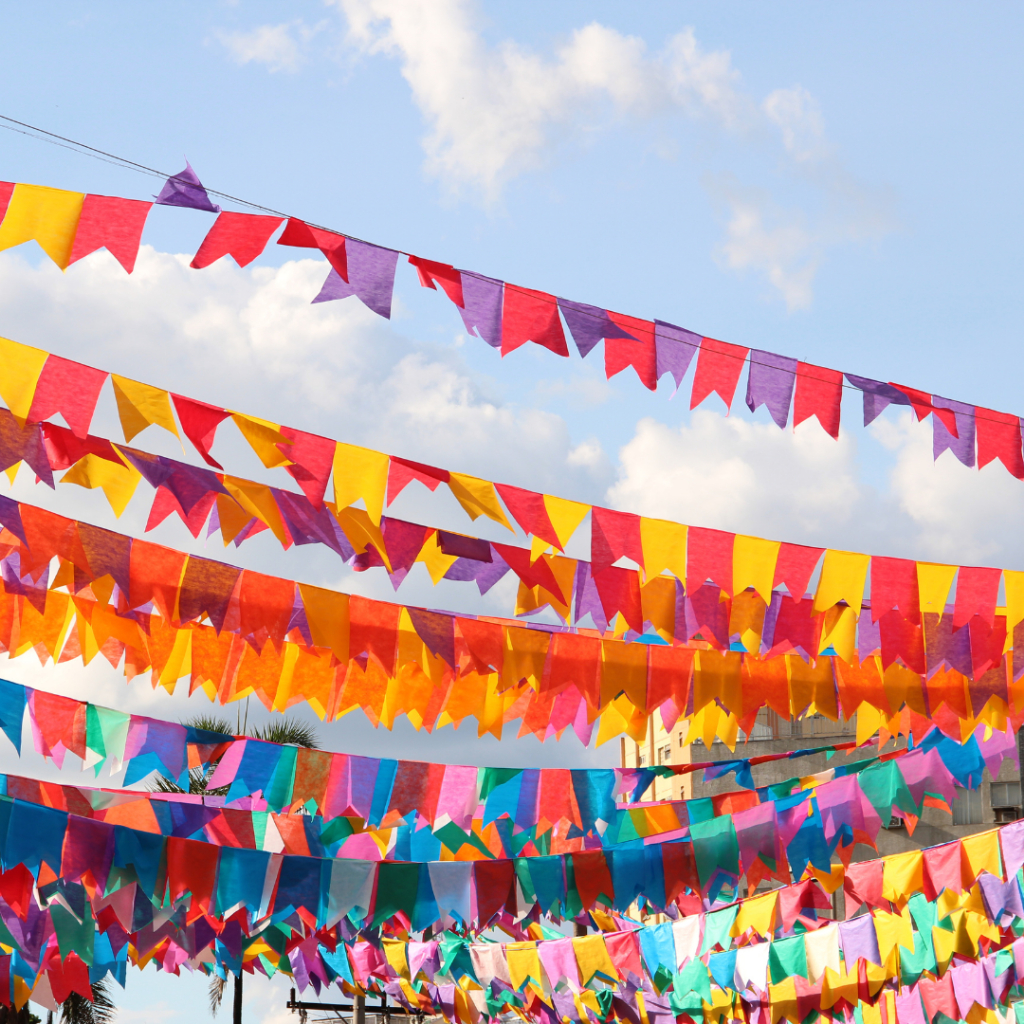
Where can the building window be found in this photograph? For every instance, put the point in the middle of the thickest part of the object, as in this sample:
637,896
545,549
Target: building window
1006,800
967,806
680,739
665,755
643,760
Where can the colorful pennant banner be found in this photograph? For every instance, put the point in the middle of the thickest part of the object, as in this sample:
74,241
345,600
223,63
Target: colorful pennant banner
71,225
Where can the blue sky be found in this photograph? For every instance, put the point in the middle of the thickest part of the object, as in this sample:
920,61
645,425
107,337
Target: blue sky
834,183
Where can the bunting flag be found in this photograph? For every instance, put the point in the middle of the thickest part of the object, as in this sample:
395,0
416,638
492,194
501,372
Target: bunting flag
632,602
165,612
70,225
100,889
104,738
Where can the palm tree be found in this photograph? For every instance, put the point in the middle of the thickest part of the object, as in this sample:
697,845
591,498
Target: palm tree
284,731
77,1009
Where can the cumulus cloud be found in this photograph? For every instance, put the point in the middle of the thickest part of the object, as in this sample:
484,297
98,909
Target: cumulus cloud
495,112
801,486
276,46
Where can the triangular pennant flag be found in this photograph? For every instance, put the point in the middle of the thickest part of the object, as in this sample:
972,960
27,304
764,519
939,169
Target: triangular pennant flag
332,245
819,392
482,299
48,215
140,405
529,511
69,388
636,349
432,274
199,421
718,370
588,325
185,189
529,315
112,223
241,235
22,366
312,457
371,277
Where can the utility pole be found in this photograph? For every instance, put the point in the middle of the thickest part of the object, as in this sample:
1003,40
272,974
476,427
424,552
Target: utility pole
236,1013
358,1009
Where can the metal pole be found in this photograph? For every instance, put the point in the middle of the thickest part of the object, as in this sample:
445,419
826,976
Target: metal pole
236,1014
359,1009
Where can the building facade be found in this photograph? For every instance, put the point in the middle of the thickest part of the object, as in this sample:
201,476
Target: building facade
996,801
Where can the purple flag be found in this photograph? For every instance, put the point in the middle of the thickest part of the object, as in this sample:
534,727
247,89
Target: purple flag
185,189
1011,838
675,348
587,598
481,312
877,396
770,382
10,517
944,646
589,325
859,940
963,446
484,574
869,637
437,631
371,277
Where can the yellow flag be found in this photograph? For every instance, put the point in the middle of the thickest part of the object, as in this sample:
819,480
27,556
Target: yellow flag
21,366
117,480
48,215
902,875
592,958
258,501
933,583
478,498
264,438
757,913
565,516
360,473
1014,583
842,579
436,561
753,565
139,405
664,547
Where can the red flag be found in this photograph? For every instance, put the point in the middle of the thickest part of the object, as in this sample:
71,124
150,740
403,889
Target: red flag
922,405
941,871
6,191
718,369
69,388
900,638
529,511
639,353
242,235
794,567
313,457
432,274
537,574
709,557
373,630
200,422
819,392
575,661
999,438
612,535
894,585
669,676
619,590
977,591
112,222
529,315
301,235
402,472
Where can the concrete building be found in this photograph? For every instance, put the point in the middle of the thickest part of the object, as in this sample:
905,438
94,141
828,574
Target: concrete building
996,801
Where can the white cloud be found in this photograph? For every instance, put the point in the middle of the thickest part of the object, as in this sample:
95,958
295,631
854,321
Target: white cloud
276,46
494,113
774,242
797,114
803,487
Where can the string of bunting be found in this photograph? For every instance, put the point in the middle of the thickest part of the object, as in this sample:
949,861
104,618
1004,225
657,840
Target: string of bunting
904,592
143,603
289,777
953,901
71,225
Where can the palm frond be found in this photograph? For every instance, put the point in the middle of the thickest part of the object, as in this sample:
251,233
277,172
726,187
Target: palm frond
287,730
77,1009
210,723
217,986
